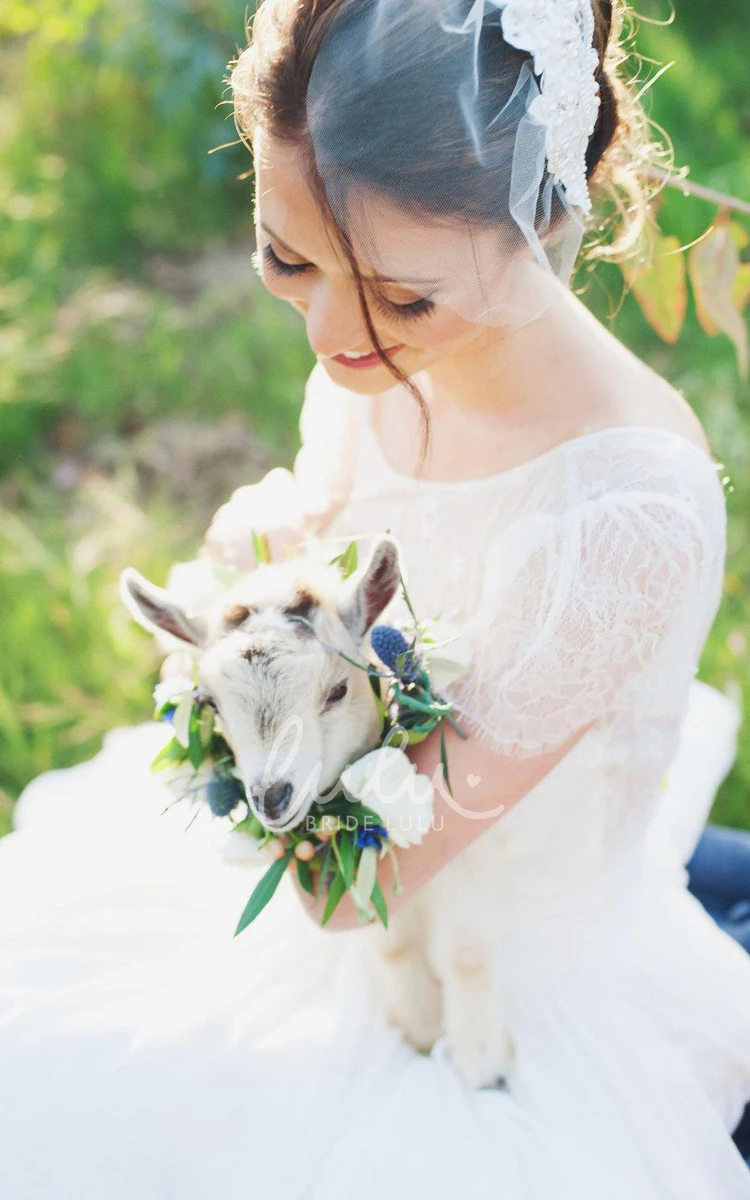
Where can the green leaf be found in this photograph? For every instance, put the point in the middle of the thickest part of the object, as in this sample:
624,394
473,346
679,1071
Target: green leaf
396,889
444,757
335,892
378,900
170,754
263,891
418,734
324,869
206,722
305,876
347,855
251,825
350,560
347,561
261,548
436,708
195,751
344,854
366,875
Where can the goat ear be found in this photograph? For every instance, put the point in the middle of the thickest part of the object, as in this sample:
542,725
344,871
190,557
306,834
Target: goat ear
368,592
154,608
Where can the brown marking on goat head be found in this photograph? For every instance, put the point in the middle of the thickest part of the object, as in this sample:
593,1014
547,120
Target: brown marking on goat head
236,615
256,654
302,606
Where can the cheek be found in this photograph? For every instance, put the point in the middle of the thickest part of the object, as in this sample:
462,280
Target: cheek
444,331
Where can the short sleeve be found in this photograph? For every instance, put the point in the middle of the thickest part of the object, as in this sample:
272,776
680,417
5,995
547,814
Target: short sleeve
575,608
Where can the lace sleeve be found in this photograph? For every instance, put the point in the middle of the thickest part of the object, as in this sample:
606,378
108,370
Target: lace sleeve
568,621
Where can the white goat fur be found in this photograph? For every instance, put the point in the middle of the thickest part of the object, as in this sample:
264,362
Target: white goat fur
432,969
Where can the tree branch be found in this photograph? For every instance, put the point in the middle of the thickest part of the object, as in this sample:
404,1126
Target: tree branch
688,188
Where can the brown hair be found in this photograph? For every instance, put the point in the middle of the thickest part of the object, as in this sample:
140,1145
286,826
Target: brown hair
270,81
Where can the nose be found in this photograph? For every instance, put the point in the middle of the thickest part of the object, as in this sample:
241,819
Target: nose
333,320
273,800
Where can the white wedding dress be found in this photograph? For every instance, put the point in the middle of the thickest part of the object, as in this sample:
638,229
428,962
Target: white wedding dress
145,1055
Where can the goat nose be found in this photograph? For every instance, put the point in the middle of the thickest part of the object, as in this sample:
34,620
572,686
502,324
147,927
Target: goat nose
274,799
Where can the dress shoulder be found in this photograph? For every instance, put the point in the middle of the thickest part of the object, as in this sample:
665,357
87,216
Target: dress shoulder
612,575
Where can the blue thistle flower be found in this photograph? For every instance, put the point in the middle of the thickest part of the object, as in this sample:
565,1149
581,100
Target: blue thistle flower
224,793
389,644
374,836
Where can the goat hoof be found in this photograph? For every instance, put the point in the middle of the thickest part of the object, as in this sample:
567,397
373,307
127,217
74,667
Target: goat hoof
483,1067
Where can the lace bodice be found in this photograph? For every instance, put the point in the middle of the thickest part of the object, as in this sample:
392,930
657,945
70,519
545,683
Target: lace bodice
585,579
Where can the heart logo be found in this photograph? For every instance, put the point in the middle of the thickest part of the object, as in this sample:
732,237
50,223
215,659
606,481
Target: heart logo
473,780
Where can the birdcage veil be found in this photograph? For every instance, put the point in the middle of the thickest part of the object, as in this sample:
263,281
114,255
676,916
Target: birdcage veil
450,137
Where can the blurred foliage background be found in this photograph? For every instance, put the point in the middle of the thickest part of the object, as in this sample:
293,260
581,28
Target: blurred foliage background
144,372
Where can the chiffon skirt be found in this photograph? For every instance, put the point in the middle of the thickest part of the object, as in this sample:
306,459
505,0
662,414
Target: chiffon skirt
146,1055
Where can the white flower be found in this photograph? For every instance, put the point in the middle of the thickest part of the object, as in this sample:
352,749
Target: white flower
362,887
386,781
237,847
172,688
445,652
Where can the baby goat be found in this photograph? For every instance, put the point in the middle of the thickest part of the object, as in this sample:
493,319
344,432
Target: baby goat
296,713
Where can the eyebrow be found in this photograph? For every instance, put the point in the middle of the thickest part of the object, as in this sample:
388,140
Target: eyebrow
369,278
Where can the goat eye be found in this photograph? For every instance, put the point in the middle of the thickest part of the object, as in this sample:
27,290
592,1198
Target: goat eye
337,693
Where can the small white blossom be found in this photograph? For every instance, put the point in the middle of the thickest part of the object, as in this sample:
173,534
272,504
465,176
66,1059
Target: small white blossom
236,846
172,688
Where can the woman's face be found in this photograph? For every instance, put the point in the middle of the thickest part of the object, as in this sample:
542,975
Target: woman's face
297,262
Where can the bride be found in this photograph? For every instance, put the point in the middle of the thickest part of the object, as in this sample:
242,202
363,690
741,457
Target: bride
425,173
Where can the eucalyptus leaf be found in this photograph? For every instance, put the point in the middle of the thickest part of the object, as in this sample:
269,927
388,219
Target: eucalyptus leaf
335,892
347,561
444,758
261,548
263,891
324,869
251,825
195,745
378,900
305,876
346,847
170,754
366,873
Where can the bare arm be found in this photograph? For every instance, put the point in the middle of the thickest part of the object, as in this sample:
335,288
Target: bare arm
503,781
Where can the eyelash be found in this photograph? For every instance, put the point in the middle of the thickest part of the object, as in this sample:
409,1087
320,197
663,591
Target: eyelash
401,312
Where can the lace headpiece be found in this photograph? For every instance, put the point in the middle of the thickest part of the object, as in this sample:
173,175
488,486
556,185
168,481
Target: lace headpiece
451,137
559,34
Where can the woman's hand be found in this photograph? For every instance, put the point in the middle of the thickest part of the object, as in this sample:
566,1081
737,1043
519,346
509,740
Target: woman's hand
271,507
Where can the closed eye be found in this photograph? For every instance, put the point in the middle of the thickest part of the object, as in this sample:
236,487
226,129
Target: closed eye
336,694
416,308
